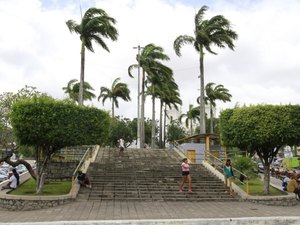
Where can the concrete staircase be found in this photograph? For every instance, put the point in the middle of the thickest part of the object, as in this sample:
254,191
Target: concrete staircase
148,175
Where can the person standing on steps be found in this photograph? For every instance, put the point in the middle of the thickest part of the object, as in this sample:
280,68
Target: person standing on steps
185,169
121,146
228,173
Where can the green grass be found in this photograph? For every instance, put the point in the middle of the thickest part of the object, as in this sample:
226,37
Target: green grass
52,188
256,188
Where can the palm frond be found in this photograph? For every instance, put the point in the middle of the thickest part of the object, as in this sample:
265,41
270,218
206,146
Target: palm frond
180,41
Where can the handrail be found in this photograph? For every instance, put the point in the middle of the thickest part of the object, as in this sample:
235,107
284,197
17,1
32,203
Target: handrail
86,154
236,170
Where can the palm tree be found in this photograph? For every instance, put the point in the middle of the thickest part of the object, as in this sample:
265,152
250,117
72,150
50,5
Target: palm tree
170,98
215,31
156,81
72,90
118,90
149,61
192,115
94,25
214,93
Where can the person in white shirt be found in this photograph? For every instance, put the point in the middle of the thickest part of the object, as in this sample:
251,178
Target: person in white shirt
121,146
12,184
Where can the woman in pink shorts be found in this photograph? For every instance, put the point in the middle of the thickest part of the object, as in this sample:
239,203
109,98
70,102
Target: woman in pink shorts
185,168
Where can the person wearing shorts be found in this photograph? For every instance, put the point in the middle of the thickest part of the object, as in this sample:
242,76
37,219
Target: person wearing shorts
228,173
185,170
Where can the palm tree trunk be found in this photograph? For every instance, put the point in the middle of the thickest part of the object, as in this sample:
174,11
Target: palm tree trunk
142,128
165,133
113,109
202,103
80,95
160,124
153,123
211,119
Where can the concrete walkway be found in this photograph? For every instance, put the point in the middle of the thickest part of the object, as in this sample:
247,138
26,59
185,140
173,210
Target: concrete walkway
170,212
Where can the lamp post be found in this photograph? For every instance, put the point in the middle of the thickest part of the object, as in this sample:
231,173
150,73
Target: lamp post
138,138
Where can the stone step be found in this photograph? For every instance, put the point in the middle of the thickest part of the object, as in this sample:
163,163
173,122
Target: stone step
148,175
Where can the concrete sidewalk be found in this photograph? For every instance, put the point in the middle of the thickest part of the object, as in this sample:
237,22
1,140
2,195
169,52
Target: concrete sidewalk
166,212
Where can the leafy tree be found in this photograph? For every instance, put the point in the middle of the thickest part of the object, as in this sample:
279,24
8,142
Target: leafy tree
148,127
50,125
7,99
72,90
261,129
118,90
121,128
215,31
95,25
192,115
175,131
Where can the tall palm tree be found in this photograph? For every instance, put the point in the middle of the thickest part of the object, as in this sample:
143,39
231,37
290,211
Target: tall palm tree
95,25
72,90
170,98
213,93
215,31
118,90
192,115
149,61
156,81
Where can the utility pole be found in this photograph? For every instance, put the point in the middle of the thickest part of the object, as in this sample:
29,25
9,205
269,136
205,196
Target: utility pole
138,138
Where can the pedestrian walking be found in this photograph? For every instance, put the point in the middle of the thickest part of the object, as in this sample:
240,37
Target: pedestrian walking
185,169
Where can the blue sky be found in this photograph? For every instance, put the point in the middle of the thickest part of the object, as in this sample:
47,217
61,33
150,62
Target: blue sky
37,48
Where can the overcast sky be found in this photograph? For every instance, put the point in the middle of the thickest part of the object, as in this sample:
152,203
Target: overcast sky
37,49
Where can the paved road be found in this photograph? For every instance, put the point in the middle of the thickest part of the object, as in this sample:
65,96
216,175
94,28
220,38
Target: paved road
109,210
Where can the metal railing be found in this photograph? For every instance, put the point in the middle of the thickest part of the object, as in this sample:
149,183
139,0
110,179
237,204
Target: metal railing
81,164
219,164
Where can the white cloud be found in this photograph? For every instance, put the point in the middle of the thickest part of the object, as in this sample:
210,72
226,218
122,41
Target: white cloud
36,48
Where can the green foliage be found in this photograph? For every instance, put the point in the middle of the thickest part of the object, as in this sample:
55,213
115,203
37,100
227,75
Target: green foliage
118,90
46,122
133,126
256,188
175,131
26,151
264,126
72,90
121,128
7,99
261,129
245,165
148,128
52,188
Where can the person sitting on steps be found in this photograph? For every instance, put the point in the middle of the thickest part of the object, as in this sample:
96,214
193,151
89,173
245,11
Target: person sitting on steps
84,180
293,186
13,178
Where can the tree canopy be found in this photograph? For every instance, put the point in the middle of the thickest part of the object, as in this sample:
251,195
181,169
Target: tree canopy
261,129
50,124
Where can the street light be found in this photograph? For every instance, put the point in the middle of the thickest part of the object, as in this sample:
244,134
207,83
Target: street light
138,139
